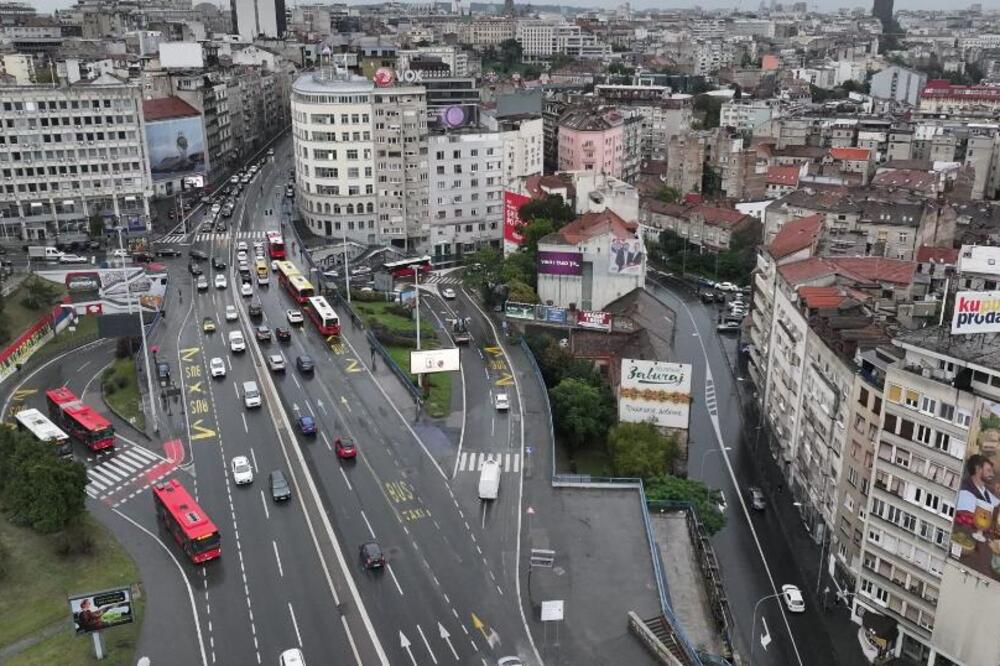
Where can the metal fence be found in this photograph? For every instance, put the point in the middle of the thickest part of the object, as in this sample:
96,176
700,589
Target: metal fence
587,481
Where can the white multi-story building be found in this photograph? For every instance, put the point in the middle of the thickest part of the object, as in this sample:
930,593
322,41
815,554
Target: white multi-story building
747,115
821,77
466,173
540,40
899,84
523,146
486,31
456,59
710,55
68,153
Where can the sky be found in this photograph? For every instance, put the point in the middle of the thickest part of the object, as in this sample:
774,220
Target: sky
47,6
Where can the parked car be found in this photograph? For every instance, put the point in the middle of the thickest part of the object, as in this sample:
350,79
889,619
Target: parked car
73,259
726,286
707,297
163,373
280,490
371,555
242,471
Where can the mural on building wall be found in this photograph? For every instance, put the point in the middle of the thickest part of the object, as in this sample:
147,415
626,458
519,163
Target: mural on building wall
176,147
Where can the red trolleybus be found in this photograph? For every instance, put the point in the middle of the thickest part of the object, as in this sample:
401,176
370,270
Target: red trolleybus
275,245
326,320
191,528
44,430
404,268
79,420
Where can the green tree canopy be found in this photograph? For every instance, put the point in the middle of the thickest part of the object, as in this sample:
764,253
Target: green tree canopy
669,194
38,489
553,208
581,412
705,500
640,450
519,292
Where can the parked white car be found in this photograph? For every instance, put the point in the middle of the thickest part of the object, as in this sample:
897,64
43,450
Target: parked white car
242,471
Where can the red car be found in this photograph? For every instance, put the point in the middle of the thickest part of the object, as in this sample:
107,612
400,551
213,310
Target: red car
345,448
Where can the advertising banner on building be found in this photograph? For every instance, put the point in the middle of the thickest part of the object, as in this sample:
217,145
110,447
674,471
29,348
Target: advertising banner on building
600,321
976,312
560,263
434,360
552,314
512,237
975,535
176,147
519,310
626,256
655,391
99,610
24,346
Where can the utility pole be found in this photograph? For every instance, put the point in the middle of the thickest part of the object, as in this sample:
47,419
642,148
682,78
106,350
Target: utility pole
142,333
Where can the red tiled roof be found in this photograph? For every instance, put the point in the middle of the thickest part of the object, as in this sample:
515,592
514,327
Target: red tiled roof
877,269
937,255
723,217
915,181
806,270
849,153
796,235
589,225
783,175
822,297
167,107
692,198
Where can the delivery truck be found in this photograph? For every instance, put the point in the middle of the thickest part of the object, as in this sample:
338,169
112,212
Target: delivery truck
489,479
43,253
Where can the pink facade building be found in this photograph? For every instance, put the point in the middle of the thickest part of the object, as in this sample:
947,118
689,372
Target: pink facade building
593,140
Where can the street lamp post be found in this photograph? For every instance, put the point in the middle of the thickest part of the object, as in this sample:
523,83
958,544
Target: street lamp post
753,624
142,333
704,457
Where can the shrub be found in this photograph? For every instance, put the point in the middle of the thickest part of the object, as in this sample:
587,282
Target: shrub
121,382
75,540
4,560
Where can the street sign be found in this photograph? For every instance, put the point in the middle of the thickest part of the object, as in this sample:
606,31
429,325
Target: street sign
552,611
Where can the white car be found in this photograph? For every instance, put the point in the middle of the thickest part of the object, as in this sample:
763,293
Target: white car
448,293
217,367
231,313
236,342
220,281
73,259
246,289
241,255
202,283
501,402
274,265
792,597
294,316
242,471
292,657
216,207
726,286
241,246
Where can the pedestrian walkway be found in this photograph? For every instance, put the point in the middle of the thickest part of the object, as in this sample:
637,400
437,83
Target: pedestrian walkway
472,461
175,239
108,474
438,278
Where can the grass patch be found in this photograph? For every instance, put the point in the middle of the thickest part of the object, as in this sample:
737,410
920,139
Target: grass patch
438,402
86,331
121,392
16,318
381,312
39,581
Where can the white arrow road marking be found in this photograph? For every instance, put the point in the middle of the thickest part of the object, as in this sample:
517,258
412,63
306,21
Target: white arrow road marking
765,638
447,638
404,643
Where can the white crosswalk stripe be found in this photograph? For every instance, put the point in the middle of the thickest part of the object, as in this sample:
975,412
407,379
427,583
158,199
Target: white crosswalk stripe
472,461
443,279
128,462
207,237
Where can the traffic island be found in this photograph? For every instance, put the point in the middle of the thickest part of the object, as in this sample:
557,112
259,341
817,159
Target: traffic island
120,390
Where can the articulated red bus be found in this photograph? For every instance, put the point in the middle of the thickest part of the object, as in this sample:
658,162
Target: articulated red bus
191,528
405,268
79,420
275,245
296,284
326,320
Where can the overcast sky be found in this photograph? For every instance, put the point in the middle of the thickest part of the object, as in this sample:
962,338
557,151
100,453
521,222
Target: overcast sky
825,5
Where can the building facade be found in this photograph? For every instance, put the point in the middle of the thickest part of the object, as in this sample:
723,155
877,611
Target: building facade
400,131
254,18
898,84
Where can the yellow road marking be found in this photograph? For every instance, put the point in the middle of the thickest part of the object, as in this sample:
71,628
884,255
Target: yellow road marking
506,380
353,365
190,353
201,431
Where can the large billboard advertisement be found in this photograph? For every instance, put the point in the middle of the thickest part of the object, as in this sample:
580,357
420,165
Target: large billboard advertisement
655,391
976,312
176,147
99,610
975,536
626,256
560,263
512,237
434,360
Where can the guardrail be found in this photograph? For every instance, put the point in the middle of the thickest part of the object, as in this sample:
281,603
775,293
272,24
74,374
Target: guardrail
587,481
403,377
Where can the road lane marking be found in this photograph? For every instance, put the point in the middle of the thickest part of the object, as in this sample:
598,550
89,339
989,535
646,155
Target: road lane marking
394,579
298,636
370,530
277,557
263,500
244,417
344,474
428,645
253,457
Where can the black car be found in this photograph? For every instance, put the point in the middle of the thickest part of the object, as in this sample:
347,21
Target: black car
282,334
371,555
220,226
280,490
218,264
197,255
707,297
168,252
194,268
163,373
254,310
305,364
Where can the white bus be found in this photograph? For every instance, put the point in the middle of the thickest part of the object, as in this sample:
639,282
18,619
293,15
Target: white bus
44,430
326,320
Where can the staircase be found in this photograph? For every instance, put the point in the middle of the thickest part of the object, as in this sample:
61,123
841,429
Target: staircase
657,634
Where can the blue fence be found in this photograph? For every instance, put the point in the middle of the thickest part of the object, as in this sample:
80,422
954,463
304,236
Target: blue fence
585,480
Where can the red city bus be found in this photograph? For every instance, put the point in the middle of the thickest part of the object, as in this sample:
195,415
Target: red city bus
191,528
297,286
79,420
326,320
275,245
404,268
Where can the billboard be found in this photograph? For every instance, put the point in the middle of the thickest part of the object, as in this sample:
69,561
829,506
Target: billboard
975,535
626,256
176,147
99,610
596,320
519,310
512,237
434,360
655,391
976,312
560,263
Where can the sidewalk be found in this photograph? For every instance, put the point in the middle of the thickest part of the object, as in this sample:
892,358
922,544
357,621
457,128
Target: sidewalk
17,647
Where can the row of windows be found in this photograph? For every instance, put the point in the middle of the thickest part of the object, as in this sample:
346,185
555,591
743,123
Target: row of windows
335,190
457,154
910,523
460,212
345,118
108,183
68,121
932,407
925,560
352,172
118,104
337,209
881,596
901,577
67,137
68,169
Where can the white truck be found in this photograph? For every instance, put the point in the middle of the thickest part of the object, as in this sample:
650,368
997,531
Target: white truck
489,479
44,253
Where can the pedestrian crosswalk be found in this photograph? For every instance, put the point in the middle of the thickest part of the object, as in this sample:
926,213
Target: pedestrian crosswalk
127,462
209,237
439,278
472,461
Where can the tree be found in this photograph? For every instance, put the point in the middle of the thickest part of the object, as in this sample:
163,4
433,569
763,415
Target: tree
710,108
38,489
669,194
519,292
703,499
640,450
553,208
580,411
39,293
96,224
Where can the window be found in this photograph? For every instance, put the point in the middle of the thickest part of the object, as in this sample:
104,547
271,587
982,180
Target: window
963,418
912,398
942,442
895,393
946,411
928,405
877,406
863,397
924,434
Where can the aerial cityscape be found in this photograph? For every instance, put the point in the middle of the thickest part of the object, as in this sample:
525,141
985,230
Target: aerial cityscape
499,334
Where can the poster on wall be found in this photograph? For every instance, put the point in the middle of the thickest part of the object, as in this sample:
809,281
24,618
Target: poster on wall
626,256
176,147
975,535
600,321
512,237
559,263
655,391
976,312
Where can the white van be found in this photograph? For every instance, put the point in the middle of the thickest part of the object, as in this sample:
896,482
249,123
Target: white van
44,252
251,395
489,479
